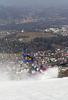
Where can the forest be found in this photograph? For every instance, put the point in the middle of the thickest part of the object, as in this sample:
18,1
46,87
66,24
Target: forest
35,45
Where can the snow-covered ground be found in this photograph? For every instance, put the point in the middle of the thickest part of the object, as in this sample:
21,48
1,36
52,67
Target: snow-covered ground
43,87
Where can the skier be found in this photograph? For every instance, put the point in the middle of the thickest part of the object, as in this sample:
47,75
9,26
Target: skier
42,69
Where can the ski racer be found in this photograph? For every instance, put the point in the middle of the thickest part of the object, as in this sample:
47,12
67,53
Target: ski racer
42,69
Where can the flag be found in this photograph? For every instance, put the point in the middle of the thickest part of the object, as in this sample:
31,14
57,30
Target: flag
27,58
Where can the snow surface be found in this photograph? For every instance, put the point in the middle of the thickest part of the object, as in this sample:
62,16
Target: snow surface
43,87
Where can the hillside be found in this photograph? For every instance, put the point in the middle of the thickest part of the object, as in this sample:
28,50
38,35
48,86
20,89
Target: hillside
31,40
28,36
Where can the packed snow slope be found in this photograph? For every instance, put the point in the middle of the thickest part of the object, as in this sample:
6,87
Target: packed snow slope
51,89
42,88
